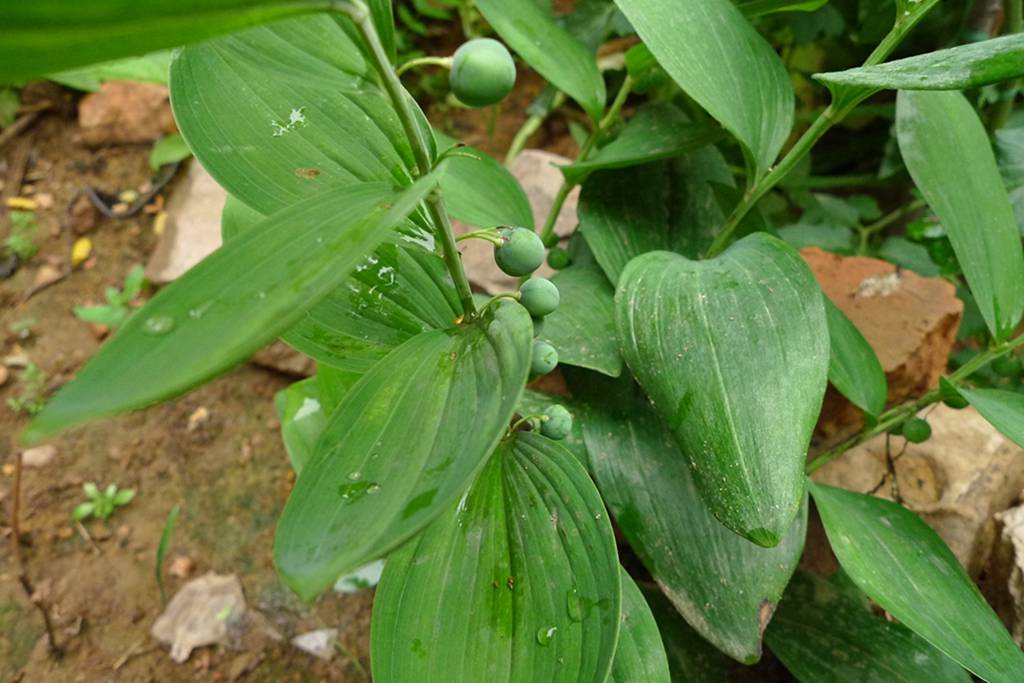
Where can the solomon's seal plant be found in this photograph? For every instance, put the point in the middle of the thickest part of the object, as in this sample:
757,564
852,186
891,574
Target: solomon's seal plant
694,341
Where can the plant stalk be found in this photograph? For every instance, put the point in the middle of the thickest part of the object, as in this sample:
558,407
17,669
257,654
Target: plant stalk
445,62
899,414
1014,24
360,15
547,233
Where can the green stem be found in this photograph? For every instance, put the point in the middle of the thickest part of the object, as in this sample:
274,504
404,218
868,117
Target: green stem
867,231
899,414
490,235
529,127
445,62
401,100
547,234
1014,24
833,114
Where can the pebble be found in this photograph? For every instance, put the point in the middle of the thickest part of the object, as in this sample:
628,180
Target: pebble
40,456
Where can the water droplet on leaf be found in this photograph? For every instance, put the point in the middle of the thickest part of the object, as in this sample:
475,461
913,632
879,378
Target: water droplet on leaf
158,324
545,634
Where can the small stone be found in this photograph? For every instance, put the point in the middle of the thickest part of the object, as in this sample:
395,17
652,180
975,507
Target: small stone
44,200
8,470
181,566
65,533
82,216
46,275
124,531
5,374
125,112
198,418
319,643
40,456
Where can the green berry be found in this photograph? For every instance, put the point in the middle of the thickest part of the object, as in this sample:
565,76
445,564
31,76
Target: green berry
557,423
545,358
559,259
916,430
539,296
482,72
521,251
957,402
1006,366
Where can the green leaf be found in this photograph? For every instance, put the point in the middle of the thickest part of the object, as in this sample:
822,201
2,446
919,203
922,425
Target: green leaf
854,369
587,305
231,304
905,567
305,408
556,54
401,289
710,49
151,68
384,22
521,578
691,659
83,510
670,206
271,138
947,152
169,150
51,35
535,402
1004,409
639,656
734,354
759,8
161,550
823,635
658,131
728,589
957,68
403,444
480,191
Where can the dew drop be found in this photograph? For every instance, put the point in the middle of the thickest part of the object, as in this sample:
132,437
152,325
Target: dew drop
545,634
575,606
350,493
158,324
355,476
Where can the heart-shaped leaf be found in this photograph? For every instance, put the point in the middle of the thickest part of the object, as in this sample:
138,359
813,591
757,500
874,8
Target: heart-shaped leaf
734,353
894,557
640,656
403,444
517,583
728,589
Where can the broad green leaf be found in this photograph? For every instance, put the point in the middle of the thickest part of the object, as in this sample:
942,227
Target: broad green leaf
658,131
905,567
169,150
1004,409
691,659
640,656
958,68
947,152
669,205
823,635
305,408
582,328
51,35
710,49
480,191
232,303
854,369
279,113
758,8
728,588
734,354
151,68
518,583
401,289
402,446
556,54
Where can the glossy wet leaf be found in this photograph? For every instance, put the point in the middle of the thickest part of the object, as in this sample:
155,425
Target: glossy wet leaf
854,369
401,289
51,35
639,656
734,354
958,68
822,635
480,191
557,55
517,583
722,584
1004,409
582,328
232,303
670,205
402,446
711,50
905,567
691,659
947,151
658,131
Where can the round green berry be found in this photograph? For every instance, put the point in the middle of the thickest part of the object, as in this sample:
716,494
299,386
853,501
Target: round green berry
539,296
482,72
557,423
559,258
545,358
1006,366
521,252
916,430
